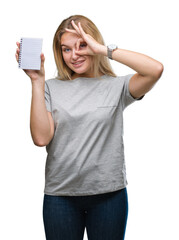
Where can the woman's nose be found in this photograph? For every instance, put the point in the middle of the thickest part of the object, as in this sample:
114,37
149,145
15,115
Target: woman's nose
74,55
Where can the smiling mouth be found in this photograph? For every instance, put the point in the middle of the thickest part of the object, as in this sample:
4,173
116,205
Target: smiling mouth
78,64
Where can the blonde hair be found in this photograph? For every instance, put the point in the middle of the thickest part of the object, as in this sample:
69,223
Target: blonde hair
101,64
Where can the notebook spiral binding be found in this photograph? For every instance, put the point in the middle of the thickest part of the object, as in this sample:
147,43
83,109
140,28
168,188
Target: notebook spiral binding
20,53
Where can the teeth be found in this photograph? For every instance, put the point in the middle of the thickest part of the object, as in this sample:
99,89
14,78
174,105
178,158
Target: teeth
77,63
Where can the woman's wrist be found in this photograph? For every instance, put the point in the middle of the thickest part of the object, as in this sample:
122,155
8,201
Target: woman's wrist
38,82
103,50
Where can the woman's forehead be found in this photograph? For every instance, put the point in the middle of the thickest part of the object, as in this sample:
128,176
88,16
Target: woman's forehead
69,38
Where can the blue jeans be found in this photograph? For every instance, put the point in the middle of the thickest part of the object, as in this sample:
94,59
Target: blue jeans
103,215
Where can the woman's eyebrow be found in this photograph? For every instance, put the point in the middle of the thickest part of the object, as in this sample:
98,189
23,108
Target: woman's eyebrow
64,45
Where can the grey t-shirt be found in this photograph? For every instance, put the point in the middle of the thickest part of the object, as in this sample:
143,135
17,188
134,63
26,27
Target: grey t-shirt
86,154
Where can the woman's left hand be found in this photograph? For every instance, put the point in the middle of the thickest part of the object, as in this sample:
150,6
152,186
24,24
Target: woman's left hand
92,47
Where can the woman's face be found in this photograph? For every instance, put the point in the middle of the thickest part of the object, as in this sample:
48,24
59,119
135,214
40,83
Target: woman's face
80,64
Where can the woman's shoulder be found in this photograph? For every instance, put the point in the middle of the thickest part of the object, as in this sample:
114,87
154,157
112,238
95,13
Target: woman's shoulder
120,78
53,81
126,76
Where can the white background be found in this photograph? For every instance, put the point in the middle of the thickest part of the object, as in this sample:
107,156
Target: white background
151,126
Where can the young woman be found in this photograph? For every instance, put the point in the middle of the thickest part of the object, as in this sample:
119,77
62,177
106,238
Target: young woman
78,116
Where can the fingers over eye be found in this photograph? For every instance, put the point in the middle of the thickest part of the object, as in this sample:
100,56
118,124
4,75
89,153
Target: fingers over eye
79,42
75,27
81,29
71,31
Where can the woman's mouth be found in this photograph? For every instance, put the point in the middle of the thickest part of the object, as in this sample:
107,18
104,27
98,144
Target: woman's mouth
78,63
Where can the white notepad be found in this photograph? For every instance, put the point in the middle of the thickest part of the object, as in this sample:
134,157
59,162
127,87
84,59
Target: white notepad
30,50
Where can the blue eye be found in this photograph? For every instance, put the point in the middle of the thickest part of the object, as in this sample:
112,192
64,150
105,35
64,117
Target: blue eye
66,50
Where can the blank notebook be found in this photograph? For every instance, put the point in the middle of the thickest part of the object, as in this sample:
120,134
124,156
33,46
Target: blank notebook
30,50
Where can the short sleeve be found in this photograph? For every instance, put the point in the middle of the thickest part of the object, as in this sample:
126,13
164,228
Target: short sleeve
48,98
127,98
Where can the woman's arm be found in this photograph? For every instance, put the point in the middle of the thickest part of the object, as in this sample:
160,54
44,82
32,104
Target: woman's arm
148,69
41,121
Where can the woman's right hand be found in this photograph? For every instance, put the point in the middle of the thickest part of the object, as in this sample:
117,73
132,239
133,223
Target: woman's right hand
35,75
